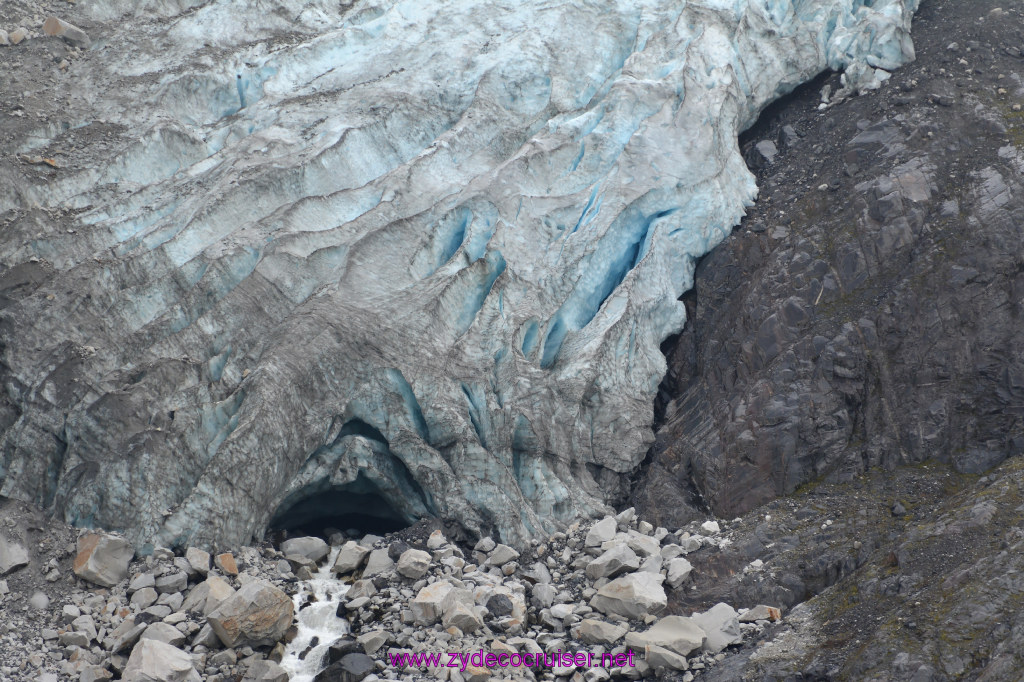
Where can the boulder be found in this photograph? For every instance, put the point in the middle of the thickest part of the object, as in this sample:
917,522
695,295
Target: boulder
372,641
414,563
69,33
170,583
377,562
601,532
226,563
155,661
258,614
675,633
463,617
710,527
13,555
721,624
634,596
502,554
350,558
679,570
643,545
162,632
265,671
431,602
761,612
617,560
594,631
102,559
198,559
351,668
313,548
660,658
124,636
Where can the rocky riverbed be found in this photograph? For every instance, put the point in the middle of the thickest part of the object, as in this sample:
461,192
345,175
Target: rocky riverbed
87,610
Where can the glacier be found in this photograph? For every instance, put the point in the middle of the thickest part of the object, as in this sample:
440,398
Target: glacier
386,253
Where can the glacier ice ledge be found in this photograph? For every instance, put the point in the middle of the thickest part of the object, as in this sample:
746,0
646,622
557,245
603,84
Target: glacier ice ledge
427,250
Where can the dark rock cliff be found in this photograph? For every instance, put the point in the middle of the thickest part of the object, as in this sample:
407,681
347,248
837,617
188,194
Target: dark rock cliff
868,310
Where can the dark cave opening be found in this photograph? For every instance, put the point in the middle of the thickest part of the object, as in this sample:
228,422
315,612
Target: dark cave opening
354,512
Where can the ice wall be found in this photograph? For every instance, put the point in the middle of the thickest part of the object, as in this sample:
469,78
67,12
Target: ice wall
423,250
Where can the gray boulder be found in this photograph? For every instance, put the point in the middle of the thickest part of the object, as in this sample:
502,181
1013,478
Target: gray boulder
103,558
313,548
675,633
351,557
635,595
13,555
721,624
414,563
619,559
258,614
155,661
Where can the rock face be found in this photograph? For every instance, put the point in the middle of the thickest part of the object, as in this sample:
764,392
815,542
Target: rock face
822,340
354,271
257,614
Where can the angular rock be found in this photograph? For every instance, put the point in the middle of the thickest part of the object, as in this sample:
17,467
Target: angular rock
198,559
635,595
351,558
660,658
499,605
463,617
102,559
351,668
678,571
258,614
265,671
502,554
142,580
372,641
436,540
721,625
313,548
761,612
414,563
17,35
162,632
124,636
13,555
4,39
601,532
226,563
69,33
145,597
377,562
153,661
617,560
643,545
594,631
172,582
676,633
431,602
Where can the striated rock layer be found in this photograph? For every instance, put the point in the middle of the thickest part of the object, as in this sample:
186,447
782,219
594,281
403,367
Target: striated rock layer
385,257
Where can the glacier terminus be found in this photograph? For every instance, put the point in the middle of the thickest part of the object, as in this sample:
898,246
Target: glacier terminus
385,257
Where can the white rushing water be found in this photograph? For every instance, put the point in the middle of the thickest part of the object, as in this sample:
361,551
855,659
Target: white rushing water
317,619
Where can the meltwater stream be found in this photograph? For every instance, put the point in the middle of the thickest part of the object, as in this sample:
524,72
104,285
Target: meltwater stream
316,606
